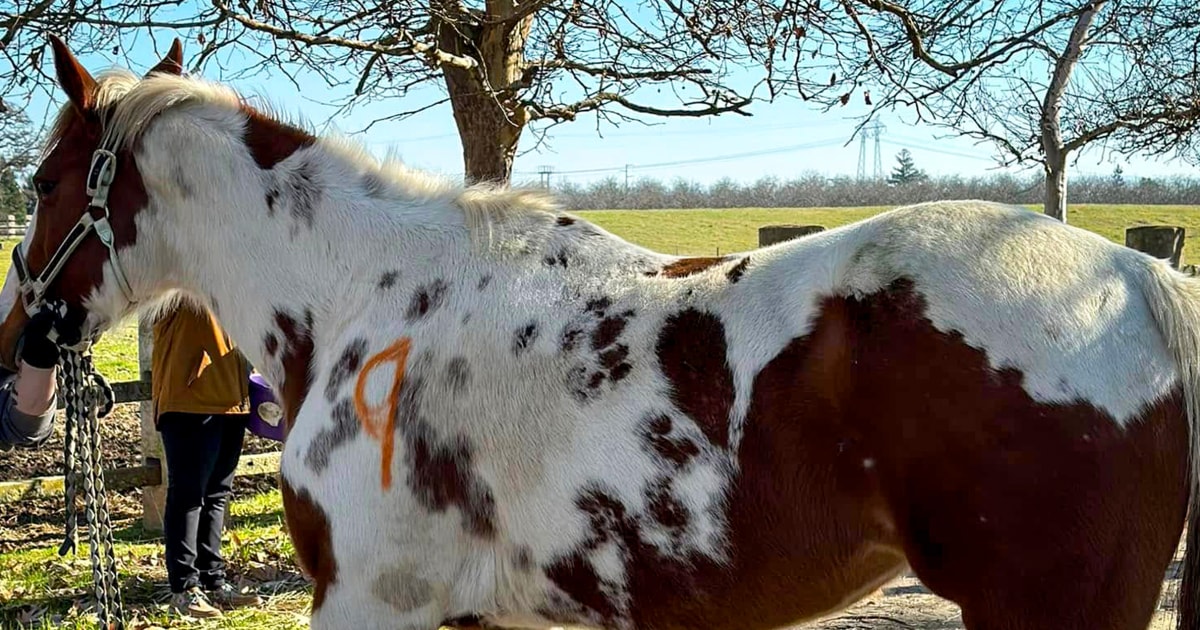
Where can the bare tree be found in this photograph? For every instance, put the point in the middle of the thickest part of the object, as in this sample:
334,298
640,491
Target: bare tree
1038,79
502,65
18,140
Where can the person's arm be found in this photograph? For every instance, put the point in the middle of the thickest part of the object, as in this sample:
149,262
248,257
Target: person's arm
28,398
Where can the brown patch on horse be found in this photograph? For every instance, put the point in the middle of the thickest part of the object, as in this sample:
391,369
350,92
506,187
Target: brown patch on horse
428,298
296,358
308,527
345,427
656,434
524,337
270,141
443,476
441,471
691,353
387,280
685,267
875,439
736,272
346,367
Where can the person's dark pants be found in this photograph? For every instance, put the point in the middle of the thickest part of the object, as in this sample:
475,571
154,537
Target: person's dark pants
202,452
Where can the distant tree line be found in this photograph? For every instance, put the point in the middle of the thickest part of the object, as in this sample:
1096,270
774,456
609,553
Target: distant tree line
816,190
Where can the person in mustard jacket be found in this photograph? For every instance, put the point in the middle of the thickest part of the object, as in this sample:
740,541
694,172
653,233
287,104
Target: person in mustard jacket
200,393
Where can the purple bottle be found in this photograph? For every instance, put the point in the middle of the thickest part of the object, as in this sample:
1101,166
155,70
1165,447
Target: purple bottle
266,415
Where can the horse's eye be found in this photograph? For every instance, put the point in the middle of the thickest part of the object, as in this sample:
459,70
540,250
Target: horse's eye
44,187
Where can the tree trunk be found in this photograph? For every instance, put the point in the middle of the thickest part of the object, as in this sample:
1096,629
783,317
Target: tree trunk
484,100
1056,187
486,128
1052,141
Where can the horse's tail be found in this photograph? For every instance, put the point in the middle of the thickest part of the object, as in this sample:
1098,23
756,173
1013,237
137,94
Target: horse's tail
1174,300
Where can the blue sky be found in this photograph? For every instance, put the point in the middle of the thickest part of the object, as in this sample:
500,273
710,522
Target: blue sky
782,139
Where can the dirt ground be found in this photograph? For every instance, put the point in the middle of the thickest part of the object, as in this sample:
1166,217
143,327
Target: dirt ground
902,604
905,603
39,521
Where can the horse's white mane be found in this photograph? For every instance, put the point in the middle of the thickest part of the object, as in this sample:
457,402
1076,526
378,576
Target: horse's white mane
131,103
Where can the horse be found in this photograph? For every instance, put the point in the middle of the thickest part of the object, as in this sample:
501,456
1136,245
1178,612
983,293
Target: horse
500,414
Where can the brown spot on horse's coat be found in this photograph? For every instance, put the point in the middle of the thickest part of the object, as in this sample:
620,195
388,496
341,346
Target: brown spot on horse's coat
523,559
346,367
308,527
297,362
608,330
736,272
663,507
657,435
574,573
599,305
271,344
564,221
524,337
692,355
270,141
685,267
388,280
345,427
303,192
441,471
427,298
442,477
458,374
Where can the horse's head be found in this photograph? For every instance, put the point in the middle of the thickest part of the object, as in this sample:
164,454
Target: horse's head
89,193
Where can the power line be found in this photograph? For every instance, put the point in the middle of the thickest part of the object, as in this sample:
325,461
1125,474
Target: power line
652,132
919,144
703,160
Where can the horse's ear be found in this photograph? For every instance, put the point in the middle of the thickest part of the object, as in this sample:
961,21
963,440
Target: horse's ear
72,77
173,62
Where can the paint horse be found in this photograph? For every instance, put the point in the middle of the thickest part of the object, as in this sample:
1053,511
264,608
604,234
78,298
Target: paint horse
500,414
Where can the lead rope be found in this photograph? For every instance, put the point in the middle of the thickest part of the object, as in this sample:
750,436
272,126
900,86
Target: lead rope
88,398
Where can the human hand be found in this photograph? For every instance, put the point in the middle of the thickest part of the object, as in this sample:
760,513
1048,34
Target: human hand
37,349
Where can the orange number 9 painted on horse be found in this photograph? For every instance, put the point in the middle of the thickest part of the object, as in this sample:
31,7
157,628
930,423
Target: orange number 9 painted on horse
369,416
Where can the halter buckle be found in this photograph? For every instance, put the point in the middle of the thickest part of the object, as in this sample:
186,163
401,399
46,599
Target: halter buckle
100,176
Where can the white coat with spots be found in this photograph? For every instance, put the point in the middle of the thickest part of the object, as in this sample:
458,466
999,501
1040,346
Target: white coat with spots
581,427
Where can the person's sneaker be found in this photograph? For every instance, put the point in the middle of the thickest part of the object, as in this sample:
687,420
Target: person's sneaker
193,603
227,597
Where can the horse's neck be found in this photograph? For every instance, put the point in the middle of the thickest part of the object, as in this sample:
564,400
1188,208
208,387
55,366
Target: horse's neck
272,283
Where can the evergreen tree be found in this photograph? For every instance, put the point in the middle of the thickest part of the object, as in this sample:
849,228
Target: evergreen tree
906,172
1118,177
12,200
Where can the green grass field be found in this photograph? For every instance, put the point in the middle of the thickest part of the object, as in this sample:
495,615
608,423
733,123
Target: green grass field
39,588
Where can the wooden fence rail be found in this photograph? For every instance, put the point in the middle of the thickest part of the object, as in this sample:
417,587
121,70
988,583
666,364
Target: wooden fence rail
149,476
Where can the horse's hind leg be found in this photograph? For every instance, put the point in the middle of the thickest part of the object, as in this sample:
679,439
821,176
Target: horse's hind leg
1067,526
1120,594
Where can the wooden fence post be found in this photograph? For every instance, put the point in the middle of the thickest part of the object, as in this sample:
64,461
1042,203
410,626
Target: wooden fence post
154,498
1160,241
772,234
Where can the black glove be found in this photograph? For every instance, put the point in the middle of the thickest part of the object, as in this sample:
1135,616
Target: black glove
37,349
